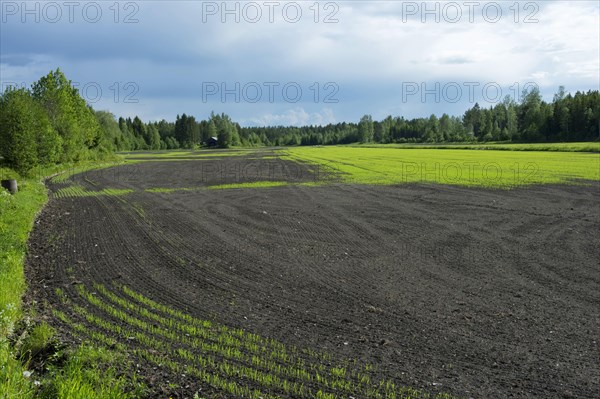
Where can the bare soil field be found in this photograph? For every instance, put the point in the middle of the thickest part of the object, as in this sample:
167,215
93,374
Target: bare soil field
475,292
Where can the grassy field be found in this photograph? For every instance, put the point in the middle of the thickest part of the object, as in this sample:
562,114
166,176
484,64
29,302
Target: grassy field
562,147
499,169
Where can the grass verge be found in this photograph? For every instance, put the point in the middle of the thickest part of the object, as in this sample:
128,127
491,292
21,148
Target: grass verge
17,213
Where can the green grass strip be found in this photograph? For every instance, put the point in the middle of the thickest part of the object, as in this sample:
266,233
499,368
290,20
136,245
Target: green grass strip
17,213
256,184
76,191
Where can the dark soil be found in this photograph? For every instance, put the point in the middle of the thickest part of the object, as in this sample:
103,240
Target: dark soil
479,293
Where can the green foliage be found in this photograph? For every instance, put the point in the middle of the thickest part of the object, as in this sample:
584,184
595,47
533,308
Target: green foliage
366,129
212,129
187,131
129,140
172,143
51,123
26,137
18,129
112,138
69,115
227,131
153,138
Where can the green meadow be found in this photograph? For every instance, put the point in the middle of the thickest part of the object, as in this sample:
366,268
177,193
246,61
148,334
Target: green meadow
461,167
563,147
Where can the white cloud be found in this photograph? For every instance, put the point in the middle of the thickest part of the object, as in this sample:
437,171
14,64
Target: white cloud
295,117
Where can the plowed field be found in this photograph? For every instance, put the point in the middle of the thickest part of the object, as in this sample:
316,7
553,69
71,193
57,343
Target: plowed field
337,290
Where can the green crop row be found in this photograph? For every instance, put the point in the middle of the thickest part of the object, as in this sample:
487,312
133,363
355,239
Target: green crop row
256,184
217,335
273,345
76,191
230,360
226,347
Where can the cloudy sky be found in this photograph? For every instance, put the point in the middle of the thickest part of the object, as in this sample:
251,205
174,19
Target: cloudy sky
304,62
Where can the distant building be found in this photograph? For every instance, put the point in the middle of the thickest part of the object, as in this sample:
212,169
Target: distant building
212,142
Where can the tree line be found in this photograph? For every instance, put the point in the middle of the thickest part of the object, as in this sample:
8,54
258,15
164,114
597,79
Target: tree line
567,118
51,123
185,132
